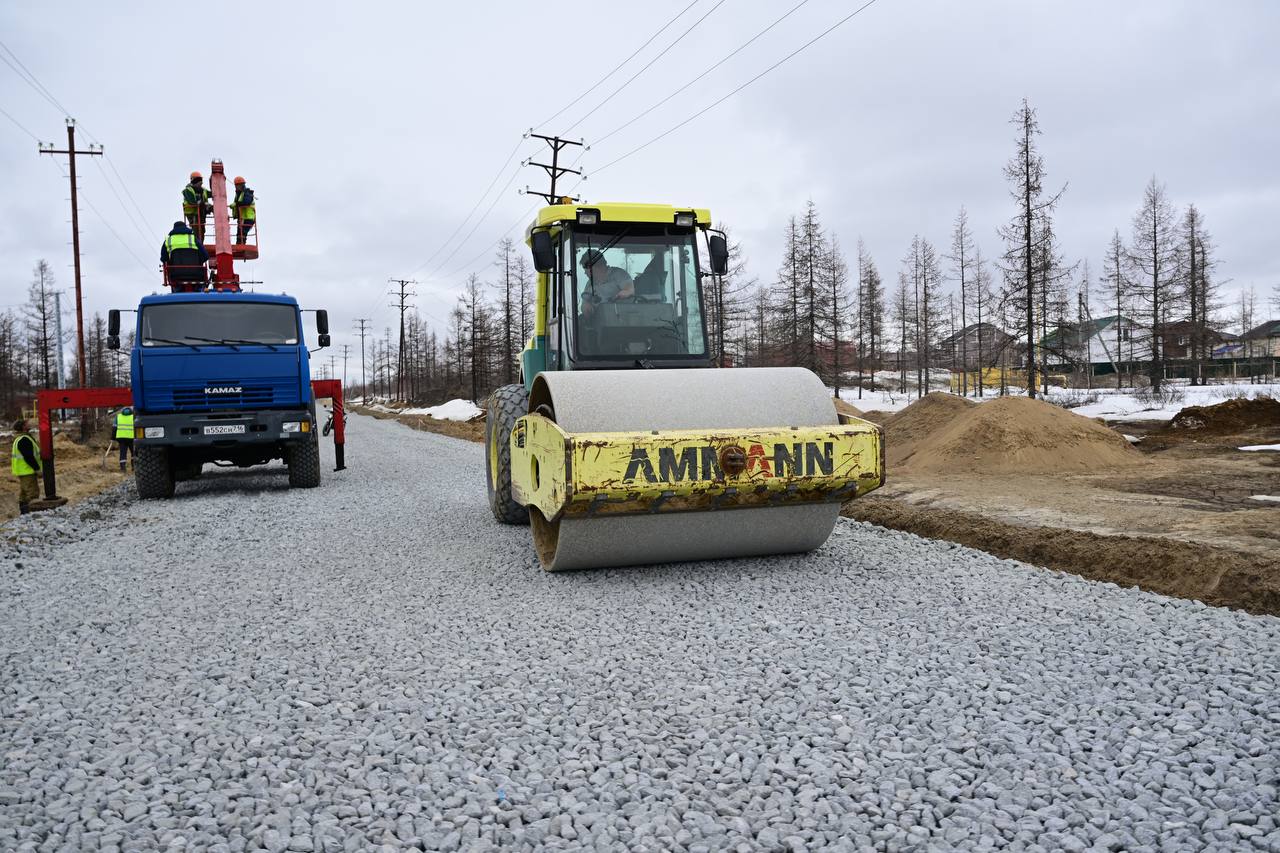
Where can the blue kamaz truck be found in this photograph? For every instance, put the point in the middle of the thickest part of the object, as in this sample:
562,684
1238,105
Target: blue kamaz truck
221,377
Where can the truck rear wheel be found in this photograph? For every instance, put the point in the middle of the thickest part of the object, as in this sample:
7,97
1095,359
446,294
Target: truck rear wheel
506,405
303,459
152,473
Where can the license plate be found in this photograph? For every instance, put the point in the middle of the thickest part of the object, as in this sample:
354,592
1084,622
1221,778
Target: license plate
224,429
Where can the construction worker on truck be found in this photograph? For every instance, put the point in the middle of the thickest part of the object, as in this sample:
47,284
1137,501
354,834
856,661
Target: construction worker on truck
244,210
124,434
25,465
184,258
195,204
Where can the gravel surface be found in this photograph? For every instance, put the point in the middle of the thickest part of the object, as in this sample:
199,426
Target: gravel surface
377,665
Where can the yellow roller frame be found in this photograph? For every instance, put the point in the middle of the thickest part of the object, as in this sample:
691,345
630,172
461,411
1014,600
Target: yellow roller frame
621,473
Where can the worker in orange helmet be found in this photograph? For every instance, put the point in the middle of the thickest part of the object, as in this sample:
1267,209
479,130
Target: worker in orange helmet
195,205
244,210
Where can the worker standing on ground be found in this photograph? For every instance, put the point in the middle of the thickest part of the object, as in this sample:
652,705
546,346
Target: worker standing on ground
244,210
25,465
124,434
195,204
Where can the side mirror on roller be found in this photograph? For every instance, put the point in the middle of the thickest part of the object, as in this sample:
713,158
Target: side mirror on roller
718,249
544,254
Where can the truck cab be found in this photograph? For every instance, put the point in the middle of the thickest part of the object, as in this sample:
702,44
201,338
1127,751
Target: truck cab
223,378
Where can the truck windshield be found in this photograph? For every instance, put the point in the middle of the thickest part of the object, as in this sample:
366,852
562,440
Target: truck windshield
203,323
638,295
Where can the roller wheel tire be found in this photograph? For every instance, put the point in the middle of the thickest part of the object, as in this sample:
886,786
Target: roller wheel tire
303,460
153,473
505,406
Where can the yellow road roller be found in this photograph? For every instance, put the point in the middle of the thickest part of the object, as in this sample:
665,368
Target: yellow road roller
621,446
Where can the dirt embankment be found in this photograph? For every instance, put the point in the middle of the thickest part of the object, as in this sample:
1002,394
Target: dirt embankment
1216,576
469,430
1025,480
80,468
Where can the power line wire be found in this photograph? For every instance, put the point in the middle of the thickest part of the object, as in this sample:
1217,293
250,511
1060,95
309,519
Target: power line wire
103,219
18,124
141,231
646,66
615,68
704,73
724,98
30,79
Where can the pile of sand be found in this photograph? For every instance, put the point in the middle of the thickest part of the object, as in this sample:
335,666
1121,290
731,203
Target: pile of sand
1231,416
905,430
845,409
1009,435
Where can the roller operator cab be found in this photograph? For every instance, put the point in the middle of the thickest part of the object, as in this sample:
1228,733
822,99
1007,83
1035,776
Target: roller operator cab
614,462
223,378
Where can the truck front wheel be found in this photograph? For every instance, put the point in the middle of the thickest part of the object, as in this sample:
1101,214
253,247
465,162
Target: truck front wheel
303,459
152,473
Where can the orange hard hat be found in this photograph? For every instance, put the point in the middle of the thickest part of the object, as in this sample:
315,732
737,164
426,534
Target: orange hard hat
238,180
195,175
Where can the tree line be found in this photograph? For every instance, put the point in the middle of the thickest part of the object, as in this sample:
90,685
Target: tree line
950,306
30,344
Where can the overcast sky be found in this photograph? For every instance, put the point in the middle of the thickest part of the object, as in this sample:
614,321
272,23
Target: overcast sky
370,130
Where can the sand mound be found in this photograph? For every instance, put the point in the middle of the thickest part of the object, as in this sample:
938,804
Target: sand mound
1015,435
1231,416
905,430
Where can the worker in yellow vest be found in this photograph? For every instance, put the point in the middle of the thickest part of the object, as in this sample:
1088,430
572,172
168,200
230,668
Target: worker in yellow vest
195,204
124,434
25,465
243,210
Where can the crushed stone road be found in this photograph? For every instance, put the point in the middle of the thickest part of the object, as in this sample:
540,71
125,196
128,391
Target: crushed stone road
376,664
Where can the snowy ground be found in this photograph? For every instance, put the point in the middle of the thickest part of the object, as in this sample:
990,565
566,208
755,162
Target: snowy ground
377,665
1112,404
454,410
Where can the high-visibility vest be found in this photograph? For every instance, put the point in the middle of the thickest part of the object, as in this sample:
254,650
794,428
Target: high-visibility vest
246,212
181,240
18,465
124,425
192,197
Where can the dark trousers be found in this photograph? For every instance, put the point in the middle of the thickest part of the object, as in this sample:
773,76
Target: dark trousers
126,449
243,229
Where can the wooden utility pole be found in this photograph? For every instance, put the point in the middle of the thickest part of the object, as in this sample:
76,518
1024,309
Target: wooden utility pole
364,387
71,152
402,297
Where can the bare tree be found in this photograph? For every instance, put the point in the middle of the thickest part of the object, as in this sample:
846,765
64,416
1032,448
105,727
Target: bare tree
1153,261
1200,288
982,297
508,286
41,325
961,257
1025,173
836,274
1114,272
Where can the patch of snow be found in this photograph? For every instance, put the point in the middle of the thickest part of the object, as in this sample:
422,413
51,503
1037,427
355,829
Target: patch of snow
1252,447
1132,439
454,410
1273,498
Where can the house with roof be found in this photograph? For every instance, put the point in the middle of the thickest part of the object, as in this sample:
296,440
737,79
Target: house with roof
961,348
1262,341
1097,343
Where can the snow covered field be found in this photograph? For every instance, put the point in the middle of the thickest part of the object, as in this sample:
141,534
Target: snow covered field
1112,404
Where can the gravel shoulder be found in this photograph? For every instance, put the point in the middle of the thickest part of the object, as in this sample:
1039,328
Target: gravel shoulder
376,663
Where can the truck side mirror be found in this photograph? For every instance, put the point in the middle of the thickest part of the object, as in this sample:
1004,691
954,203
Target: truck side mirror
322,322
544,254
113,329
324,340
718,249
